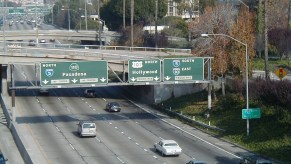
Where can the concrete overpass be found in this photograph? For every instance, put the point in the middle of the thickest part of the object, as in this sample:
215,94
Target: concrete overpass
106,36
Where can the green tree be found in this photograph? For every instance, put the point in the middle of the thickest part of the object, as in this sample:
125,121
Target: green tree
144,12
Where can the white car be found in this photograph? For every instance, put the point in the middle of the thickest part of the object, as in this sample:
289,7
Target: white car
42,41
168,147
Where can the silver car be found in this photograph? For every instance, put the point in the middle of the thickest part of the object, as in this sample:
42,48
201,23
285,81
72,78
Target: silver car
168,147
86,128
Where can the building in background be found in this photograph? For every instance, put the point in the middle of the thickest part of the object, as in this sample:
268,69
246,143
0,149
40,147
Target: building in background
191,12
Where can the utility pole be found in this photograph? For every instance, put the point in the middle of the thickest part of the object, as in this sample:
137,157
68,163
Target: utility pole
123,14
86,15
267,76
131,20
156,25
99,26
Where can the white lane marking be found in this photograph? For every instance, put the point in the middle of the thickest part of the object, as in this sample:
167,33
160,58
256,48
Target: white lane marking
43,109
137,143
122,132
97,139
104,99
129,138
58,129
120,160
145,149
94,109
186,131
155,157
72,146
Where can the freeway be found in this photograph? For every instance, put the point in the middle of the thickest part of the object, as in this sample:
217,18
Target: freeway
125,137
48,127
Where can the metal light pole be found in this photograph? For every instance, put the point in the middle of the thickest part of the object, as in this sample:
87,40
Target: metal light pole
247,72
123,14
131,20
100,41
36,26
69,21
86,15
156,24
53,15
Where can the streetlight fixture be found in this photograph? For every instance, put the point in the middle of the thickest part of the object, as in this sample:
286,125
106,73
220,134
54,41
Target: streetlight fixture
244,4
247,70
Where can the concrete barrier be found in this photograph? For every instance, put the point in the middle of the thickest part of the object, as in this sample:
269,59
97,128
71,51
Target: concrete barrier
14,133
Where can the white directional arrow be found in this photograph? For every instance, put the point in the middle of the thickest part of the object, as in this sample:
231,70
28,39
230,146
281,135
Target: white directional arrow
167,78
74,80
133,79
156,78
45,81
103,79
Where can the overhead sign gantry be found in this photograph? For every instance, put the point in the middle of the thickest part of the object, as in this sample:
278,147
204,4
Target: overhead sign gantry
70,73
144,71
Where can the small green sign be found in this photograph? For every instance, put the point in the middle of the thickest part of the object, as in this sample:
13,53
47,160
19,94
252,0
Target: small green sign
70,73
144,70
183,69
251,113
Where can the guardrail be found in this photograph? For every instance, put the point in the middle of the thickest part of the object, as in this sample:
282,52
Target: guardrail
186,118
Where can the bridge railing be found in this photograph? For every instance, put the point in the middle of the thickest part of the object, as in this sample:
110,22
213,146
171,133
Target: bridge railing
125,48
22,47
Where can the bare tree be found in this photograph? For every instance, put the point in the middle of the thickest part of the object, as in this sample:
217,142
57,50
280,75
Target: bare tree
217,20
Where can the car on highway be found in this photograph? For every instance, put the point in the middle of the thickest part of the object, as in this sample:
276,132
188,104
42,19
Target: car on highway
42,41
31,43
2,158
86,128
43,91
168,147
196,162
90,93
253,159
113,107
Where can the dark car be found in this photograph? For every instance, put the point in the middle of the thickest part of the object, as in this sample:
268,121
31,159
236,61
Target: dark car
31,43
254,160
196,162
43,92
113,107
2,159
89,93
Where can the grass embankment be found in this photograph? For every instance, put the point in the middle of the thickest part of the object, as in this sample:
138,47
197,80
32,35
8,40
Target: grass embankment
259,64
270,135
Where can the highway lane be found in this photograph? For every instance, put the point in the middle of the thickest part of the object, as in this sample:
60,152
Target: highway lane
121,145
193,146
114,141
128,136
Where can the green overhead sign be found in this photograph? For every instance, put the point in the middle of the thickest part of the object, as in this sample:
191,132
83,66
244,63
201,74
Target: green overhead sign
71,73
251,113
183,69
16,11
144,70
